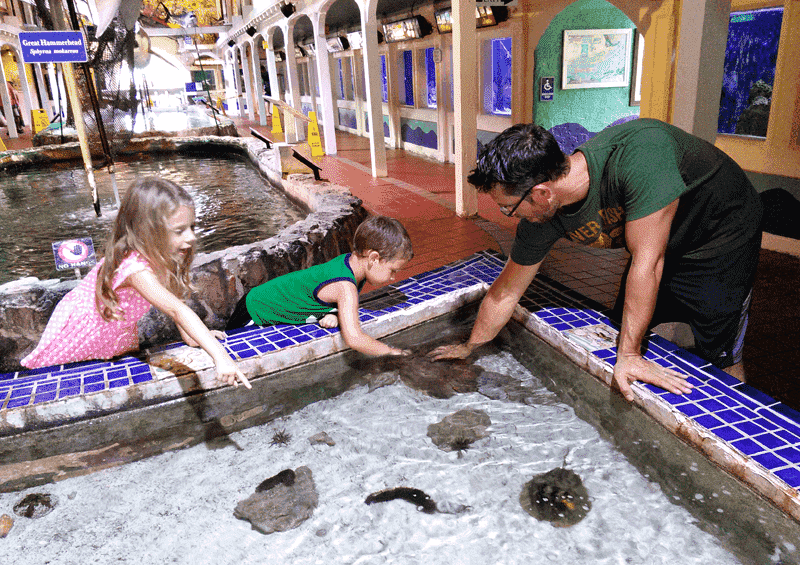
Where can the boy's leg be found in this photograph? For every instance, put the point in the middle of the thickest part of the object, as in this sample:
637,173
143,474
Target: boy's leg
240,317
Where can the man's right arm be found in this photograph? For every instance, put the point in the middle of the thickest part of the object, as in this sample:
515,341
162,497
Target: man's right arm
495,310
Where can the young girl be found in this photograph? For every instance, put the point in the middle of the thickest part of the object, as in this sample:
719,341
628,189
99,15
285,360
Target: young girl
381,248
146,263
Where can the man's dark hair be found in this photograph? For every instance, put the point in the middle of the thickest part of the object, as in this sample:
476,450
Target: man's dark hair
522,156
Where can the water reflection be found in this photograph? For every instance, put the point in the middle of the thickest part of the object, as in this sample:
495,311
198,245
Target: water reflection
234,204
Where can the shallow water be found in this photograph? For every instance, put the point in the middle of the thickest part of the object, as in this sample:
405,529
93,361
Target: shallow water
178,507
234,206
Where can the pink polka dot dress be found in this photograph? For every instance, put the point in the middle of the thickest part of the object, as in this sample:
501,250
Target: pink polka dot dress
77,332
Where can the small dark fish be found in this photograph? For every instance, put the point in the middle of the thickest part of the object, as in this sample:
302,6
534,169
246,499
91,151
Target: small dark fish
285,477
415,496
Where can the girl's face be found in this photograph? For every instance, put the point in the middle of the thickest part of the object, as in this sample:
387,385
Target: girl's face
380,271
180,233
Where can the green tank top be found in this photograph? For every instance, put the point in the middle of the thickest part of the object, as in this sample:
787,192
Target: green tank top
292,298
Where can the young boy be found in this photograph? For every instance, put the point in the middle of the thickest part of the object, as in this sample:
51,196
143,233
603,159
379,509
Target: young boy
328,293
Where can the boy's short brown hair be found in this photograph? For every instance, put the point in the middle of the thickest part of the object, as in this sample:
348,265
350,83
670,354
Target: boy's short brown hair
385,235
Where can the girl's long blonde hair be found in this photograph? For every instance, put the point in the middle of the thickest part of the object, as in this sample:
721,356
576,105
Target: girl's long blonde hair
141,225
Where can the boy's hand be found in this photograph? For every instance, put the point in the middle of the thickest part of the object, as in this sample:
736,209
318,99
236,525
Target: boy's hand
329,321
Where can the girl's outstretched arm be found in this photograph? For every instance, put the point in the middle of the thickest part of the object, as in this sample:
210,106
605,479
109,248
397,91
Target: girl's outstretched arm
346,296
189,324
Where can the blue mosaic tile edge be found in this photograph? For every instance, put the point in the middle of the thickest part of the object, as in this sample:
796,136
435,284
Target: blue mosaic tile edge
37,386
746,418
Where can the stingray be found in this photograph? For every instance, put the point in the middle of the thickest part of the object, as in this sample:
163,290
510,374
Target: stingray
557,496
439,379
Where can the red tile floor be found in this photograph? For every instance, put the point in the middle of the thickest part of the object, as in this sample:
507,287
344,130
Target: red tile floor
420,192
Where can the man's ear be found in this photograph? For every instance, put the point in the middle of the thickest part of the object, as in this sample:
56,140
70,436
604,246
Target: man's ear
373,256
541,194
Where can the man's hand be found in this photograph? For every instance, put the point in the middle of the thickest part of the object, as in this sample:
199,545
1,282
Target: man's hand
453,351
631,368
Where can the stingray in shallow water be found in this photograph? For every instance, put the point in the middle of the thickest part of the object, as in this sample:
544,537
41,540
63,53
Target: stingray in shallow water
557,496
440,379
415,496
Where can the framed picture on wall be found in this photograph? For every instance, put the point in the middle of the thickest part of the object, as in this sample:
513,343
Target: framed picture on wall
596,58
638,58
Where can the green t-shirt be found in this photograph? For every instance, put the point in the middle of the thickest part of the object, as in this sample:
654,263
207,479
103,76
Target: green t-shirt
639,167
292,298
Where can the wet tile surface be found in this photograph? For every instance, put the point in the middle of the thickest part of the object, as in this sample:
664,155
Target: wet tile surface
753,422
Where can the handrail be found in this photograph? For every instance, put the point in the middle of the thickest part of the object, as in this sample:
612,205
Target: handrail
299,156
308,163
257,135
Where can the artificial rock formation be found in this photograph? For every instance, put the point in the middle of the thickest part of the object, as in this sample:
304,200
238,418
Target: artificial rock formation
282,507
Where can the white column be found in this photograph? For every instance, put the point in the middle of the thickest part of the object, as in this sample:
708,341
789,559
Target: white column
466,103
259,88
372,80
295,127
56,91
325,86
237,81
699,67
248,82
442,100
47,103
227,76
312,83
272,71
8,112
394,100
26,91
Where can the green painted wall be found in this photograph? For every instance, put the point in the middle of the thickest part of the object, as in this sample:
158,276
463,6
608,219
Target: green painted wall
593,108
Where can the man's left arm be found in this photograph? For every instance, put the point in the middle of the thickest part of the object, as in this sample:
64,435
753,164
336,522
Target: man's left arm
647,239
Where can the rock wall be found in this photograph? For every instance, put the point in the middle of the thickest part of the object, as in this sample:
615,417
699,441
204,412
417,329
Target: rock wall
220,278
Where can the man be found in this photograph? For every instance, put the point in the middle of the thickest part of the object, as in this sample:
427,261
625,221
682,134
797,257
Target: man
685,211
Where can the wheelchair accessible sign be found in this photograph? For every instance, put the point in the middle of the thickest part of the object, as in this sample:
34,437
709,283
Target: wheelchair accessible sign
53,47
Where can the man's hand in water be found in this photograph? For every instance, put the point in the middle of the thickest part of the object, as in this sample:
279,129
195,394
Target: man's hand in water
453,351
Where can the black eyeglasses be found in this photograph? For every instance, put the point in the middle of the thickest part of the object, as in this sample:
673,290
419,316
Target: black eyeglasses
509,213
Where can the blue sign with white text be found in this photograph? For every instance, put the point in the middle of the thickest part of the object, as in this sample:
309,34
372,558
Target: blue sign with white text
53,47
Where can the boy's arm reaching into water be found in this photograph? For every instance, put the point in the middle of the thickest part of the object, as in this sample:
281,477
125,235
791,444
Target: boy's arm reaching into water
345,295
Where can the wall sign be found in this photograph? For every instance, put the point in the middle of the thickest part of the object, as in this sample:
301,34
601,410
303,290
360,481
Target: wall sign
52,47
546,88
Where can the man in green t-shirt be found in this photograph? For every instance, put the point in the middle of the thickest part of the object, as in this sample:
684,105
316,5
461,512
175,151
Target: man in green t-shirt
684,210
